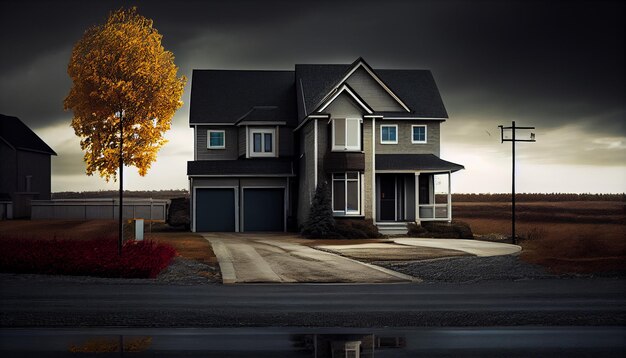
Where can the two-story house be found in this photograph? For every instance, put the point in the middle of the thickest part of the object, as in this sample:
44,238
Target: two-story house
263,140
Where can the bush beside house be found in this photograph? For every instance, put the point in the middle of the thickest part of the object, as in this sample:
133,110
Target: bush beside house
437,229
322,225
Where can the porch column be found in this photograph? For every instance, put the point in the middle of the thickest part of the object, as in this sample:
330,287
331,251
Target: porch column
417,197
449,196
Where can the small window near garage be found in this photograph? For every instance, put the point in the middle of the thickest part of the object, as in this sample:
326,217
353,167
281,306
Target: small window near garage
216,139
419,134
389,134
346,193
262,143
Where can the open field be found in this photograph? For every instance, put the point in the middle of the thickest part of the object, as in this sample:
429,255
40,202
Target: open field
570,236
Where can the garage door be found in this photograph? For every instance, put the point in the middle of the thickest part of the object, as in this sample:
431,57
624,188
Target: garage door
263,209
215,210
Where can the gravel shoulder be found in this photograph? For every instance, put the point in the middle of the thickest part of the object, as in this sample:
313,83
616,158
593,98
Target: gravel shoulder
180,272
471,269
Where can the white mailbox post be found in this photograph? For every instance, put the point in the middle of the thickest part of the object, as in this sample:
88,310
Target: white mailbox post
139,229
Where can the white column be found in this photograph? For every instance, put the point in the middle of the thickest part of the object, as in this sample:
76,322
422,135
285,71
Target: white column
373,185
417,197
449,196
315,152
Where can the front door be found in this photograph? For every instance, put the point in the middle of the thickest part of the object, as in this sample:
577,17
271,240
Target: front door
387,198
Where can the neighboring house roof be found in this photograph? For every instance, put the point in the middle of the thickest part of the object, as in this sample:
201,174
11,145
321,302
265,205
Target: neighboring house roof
232,96
227,96
241,167
414,162
17,134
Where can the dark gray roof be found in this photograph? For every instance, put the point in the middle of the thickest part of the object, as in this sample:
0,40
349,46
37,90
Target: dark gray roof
314,82
256,166
260,114
416,88
225,96
19,136
414,162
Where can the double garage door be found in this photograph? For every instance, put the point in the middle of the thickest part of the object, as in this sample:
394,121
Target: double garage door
261,209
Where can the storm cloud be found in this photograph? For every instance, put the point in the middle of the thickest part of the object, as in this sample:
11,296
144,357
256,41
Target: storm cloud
556,65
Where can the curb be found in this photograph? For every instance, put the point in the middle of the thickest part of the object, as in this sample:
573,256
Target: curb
225,261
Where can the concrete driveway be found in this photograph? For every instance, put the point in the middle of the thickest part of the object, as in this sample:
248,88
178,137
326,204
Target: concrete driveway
474,247
280,258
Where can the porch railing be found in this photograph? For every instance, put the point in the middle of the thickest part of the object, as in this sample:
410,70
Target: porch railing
434,212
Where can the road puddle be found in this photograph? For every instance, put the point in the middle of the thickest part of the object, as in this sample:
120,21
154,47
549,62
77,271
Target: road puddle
315,342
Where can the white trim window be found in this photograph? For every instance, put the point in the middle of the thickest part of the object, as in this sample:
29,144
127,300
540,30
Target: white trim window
346,134
388,134
216,139
346,193
419,134
262,142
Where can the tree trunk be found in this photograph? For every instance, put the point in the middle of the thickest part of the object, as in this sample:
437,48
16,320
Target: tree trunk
121,215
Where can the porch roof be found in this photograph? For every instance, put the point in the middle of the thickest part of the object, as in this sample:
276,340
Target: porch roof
414,162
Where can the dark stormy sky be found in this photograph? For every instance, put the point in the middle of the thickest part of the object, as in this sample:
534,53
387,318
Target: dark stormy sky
555,65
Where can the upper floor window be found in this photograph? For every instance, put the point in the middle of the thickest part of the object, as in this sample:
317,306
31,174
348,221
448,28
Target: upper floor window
262,143
419,134
216,139
346,134
389,134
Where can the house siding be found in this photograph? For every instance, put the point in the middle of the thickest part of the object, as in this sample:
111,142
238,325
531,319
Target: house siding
369,168
372,93
306,187
37,165
231,140
241,141
285,141
8,166
405,145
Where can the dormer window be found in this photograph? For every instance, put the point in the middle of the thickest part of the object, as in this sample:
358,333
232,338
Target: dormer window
216,139
346,134
262,143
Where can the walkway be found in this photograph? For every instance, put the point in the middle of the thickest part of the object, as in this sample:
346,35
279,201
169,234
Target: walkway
474,247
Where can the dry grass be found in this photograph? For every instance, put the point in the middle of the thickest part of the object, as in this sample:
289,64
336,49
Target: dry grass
188,245
585,244
75,229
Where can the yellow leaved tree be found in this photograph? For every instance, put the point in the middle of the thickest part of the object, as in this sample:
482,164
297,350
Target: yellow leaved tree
125,92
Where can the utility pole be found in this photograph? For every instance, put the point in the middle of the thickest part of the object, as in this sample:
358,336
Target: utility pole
120,239
513,139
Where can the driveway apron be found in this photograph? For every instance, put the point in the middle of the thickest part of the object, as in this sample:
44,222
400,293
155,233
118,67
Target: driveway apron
279,258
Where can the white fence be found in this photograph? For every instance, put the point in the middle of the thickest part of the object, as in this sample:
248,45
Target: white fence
88,209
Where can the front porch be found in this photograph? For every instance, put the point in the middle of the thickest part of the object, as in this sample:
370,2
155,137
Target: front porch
417,196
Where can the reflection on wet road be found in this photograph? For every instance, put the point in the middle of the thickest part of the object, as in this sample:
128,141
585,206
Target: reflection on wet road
317,342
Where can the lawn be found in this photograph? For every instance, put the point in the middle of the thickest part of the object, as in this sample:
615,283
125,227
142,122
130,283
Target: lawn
565,237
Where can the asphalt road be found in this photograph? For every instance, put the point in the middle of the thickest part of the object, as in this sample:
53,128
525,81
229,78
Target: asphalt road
562,302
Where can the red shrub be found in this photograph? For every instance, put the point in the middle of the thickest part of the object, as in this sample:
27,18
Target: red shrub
94,257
